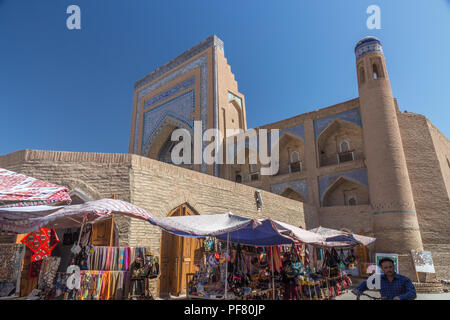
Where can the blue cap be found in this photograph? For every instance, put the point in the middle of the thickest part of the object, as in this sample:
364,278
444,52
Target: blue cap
368,44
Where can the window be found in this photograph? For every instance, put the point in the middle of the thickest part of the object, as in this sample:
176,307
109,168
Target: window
375,71
295,165
351,201
238,177
254,177
295,157
344,146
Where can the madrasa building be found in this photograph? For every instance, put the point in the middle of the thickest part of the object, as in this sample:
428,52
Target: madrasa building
360,165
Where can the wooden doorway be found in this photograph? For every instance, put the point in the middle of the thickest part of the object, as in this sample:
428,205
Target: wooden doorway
178,255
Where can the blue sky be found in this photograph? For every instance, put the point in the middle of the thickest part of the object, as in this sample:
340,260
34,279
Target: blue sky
73,90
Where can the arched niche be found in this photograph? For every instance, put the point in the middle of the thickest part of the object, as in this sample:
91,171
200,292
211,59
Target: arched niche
343,190
162,144
292,154
292,194
233,116
78,197
330,143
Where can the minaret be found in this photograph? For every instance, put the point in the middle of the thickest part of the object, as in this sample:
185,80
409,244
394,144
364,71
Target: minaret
395,221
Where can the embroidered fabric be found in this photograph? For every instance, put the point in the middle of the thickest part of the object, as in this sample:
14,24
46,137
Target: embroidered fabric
11,256
47,275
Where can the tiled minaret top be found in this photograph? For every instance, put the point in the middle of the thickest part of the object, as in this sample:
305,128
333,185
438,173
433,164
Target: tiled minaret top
367,44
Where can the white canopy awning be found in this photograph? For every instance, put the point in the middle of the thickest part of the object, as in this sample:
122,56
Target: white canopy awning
28,219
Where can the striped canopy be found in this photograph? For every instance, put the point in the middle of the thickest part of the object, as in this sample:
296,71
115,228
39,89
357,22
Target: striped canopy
18,190
28,219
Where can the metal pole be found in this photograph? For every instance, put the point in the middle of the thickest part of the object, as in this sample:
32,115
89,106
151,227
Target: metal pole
226,267
273,278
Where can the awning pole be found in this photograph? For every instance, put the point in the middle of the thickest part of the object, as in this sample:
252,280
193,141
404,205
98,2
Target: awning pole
226,267
81,230
273,278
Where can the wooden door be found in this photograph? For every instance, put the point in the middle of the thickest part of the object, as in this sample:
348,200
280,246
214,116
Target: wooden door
178,255
103,233
170,265
190,253
27,284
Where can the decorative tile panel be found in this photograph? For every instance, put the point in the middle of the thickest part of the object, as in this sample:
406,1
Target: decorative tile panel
353,116
366,45
359,175
201,62
178,108
232,96
301,186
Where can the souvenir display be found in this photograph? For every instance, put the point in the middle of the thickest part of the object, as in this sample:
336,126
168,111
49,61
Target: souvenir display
47,275
41,242
249,274
11,256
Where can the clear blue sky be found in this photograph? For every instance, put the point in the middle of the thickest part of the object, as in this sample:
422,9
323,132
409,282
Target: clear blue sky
73,90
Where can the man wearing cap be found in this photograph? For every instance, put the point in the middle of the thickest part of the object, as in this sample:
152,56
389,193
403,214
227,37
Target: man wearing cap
393,286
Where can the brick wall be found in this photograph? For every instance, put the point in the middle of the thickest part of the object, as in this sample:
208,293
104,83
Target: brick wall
428,186
160,188
153,185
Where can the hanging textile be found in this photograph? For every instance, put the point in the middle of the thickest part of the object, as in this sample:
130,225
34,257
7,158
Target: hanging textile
41,242
113,258
11,256
18,190
48,272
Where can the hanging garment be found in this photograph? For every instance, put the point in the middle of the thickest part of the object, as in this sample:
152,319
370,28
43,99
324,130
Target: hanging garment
112,285
121,258
11,256
41,242
48,272
98,287
120,286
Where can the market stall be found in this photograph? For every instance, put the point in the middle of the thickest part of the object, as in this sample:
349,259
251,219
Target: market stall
254,259
335,260
19,192
104,270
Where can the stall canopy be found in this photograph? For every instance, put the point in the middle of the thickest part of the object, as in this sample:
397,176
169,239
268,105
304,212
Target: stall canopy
208,225
18,190
341,239
29,219
256,232
298,234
